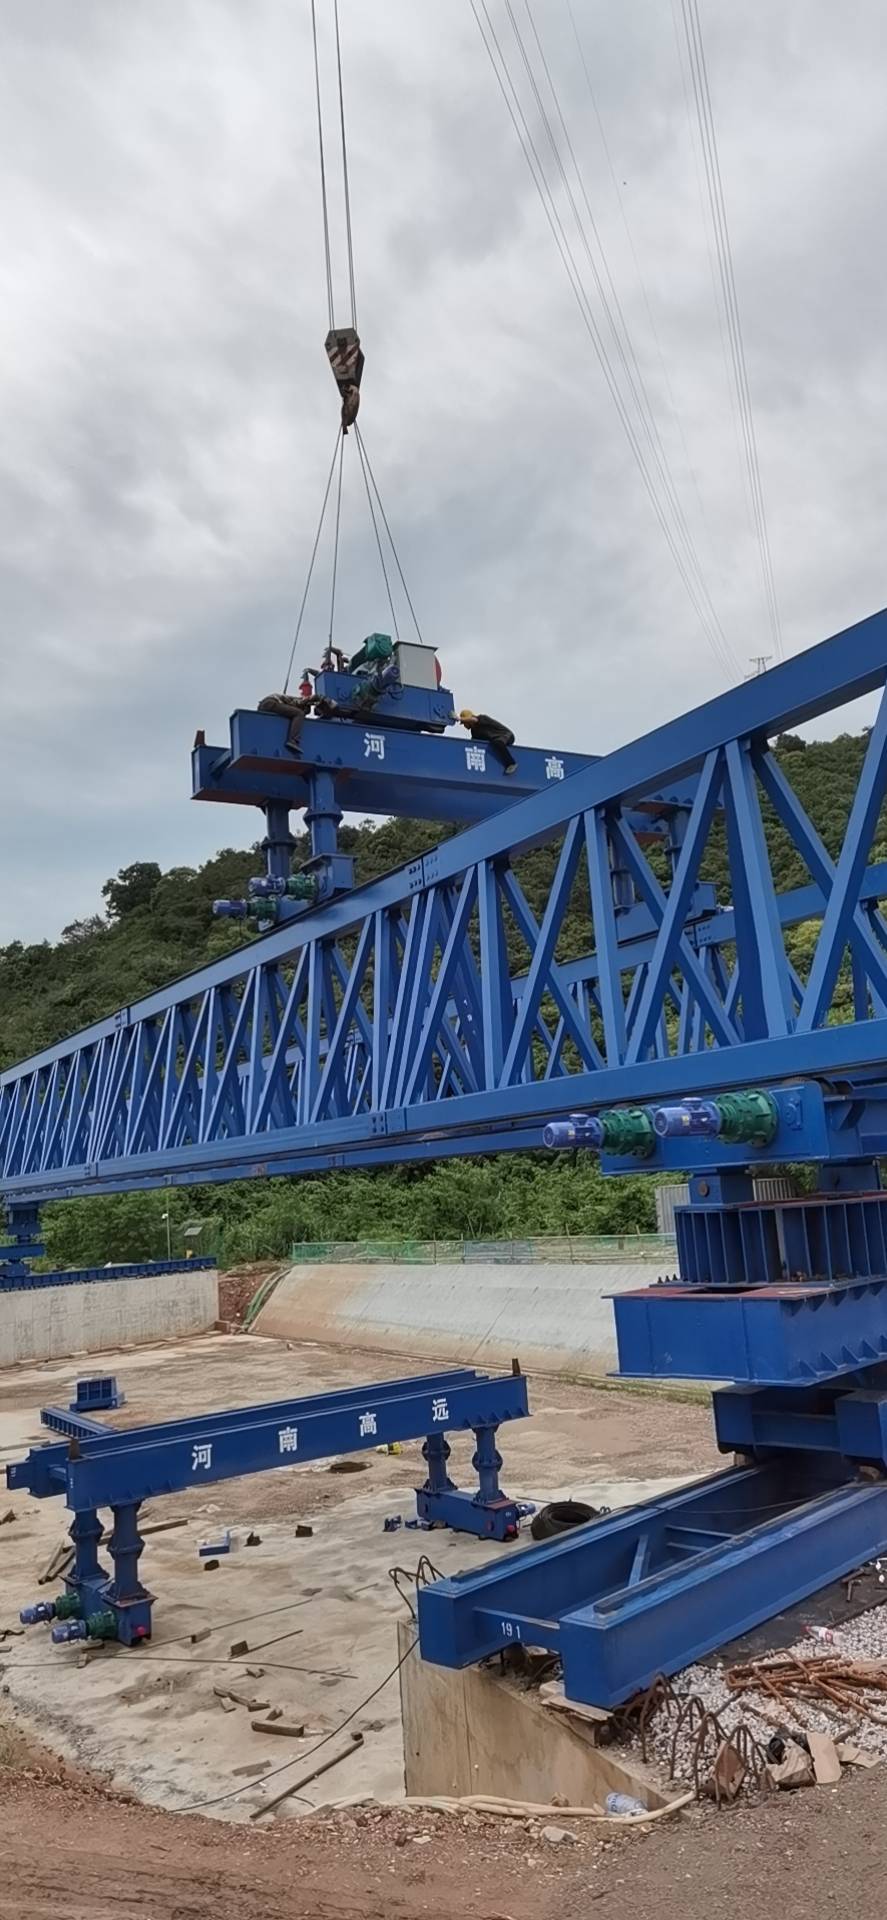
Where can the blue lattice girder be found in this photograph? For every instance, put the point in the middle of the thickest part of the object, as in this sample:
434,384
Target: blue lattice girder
429,1012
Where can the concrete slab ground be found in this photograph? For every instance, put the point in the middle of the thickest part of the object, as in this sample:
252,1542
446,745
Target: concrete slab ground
319,1614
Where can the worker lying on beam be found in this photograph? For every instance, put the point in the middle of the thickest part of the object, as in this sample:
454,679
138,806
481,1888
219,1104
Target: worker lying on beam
499,738
291,707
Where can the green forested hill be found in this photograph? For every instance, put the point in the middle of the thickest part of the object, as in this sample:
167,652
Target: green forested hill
155,926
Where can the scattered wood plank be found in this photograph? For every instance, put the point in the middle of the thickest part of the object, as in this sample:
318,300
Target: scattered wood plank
291,1729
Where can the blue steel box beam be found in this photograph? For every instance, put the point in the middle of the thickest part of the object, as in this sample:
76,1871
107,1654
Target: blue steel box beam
387,1024
648,1591
377,769
104,1467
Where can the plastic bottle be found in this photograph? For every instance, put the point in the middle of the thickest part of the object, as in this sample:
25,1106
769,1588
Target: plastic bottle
624,1803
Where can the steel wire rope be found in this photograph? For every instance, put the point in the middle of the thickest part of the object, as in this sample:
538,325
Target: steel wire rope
345,183
615,315
362,446
323,193
714,181
326,495
336,535
537,174
363,468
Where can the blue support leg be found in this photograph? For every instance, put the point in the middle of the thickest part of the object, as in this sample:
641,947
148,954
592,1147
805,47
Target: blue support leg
86,1531
488,1512
130,1601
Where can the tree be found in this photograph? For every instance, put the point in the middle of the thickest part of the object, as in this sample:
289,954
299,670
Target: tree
84,929
133,888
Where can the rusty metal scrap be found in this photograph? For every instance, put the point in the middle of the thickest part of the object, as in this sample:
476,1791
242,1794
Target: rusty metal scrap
826,1679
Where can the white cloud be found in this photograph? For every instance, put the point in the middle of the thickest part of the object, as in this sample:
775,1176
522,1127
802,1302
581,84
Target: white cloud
168,414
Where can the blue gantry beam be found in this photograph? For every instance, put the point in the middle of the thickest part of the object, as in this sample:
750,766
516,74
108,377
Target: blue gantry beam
430,1012
95,1467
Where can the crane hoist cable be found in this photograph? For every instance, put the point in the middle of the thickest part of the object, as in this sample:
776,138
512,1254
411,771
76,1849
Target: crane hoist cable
346,359
343,348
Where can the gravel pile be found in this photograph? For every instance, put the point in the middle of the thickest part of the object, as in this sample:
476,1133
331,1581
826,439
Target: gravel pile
864,1638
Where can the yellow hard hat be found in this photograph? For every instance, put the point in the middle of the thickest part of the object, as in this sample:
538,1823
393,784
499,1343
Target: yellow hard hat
466,716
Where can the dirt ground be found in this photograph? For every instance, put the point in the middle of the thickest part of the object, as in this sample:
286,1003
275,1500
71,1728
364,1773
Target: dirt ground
68,1850
76,1844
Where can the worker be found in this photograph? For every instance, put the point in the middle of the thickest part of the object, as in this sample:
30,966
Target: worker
290,707
306,690
493,733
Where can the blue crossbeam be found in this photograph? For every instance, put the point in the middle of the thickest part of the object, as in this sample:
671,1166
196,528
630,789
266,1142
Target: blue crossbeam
378,768
715,1559
75,1426
124,1468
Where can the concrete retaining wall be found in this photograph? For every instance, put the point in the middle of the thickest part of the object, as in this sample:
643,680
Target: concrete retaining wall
556,1318
48,1323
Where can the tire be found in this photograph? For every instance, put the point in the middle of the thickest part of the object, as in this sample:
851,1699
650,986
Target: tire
559,1516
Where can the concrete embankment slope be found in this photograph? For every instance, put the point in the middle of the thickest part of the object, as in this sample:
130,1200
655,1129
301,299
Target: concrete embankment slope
555,1318
90,1315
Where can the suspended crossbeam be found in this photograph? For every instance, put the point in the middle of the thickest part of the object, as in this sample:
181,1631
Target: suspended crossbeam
431,1012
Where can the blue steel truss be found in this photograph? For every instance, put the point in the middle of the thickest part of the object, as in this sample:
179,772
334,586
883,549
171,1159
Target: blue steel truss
430,1012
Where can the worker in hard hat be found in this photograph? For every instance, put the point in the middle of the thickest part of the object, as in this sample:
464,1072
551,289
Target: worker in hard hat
482,727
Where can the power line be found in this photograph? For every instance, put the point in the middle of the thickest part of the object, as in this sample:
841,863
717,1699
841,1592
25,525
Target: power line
618,324
711,160
648,308
499,64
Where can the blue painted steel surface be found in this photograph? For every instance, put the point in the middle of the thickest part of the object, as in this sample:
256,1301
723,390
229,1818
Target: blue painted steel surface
97,1393
388,1024
105,1467
75,1426
27,1281
823,1237
774,1335
419,776
646,1591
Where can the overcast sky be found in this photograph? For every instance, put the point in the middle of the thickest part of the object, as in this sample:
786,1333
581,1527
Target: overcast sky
168,414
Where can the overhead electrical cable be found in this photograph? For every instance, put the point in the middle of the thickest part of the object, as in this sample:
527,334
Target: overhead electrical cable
615,315
502,73
698,67
642,284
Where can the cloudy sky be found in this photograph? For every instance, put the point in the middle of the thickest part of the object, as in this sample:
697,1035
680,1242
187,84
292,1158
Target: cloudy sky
168,415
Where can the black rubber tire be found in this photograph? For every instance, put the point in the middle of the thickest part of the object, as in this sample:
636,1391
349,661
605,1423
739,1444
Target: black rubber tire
559,1516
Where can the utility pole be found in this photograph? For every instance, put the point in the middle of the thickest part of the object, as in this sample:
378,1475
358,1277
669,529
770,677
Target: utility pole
760,662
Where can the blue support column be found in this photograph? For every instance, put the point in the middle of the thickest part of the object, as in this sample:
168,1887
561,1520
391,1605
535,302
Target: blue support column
130,1600
486,1461
278,843
86,1531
